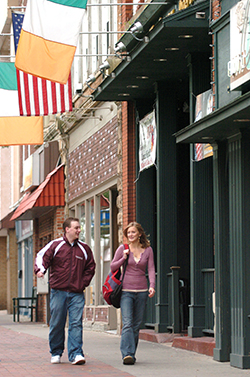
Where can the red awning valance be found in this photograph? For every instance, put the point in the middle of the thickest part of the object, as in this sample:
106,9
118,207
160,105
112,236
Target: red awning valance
49,194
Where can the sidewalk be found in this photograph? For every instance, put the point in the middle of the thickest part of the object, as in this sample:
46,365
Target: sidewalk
24,351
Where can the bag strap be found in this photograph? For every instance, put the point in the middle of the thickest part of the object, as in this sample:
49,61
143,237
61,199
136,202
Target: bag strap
126,247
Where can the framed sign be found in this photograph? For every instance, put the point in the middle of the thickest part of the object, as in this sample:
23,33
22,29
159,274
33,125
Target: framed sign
147,149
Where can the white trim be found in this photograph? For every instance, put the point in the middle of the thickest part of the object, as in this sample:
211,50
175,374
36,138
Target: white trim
97,190
59,246
83,250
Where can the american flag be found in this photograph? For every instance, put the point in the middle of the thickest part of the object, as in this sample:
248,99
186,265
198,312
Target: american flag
38,96
199,151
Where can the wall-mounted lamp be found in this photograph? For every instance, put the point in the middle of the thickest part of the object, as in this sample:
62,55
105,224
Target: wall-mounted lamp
103,68
119,49
136,29
90,80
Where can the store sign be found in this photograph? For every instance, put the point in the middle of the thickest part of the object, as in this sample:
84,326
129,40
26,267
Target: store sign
183,4
31,172
147,149
239,64
204,106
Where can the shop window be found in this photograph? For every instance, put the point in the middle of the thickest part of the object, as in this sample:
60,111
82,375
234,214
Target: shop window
92,222
97,215
105,234
82,218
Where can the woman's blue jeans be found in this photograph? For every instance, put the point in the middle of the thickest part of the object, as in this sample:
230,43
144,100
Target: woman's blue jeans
62,302
132,308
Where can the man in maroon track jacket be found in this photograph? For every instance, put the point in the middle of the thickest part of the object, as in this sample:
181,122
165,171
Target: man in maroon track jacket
72,267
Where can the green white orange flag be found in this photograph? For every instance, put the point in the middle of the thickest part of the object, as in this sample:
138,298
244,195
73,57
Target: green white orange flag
49,38
15,129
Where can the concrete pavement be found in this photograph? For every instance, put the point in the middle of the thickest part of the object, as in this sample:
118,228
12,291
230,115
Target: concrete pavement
24,351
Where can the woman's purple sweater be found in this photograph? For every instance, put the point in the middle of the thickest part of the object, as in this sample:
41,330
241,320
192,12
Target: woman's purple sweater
135,276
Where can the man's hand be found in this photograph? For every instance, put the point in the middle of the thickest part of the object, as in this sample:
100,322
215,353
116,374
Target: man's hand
40,274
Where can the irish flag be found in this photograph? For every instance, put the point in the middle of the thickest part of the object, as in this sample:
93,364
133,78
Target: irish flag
49,38
15,129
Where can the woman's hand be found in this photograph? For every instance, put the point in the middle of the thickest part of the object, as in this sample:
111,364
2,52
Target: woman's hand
125,253
151,292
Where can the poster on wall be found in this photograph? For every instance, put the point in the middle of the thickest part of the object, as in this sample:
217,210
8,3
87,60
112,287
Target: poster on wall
147,135
239,64
204,106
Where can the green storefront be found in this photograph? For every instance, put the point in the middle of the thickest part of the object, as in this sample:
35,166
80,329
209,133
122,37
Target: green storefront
196,212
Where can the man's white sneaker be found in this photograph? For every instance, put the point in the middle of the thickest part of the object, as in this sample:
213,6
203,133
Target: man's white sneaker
55,359
79,360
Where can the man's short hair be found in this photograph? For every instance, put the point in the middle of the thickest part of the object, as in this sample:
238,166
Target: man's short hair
68,221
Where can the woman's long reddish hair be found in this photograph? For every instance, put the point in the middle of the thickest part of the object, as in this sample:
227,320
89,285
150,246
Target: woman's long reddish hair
143,237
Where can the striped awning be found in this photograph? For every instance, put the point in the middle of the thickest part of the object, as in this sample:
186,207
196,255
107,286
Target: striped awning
49,194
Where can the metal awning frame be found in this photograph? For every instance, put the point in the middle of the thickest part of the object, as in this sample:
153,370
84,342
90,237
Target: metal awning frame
220,124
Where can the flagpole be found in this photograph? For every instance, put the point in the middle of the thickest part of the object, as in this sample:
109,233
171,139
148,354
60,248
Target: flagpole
75,56
86,32
109,4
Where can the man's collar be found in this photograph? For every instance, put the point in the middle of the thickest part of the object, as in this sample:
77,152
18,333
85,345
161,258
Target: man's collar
67,240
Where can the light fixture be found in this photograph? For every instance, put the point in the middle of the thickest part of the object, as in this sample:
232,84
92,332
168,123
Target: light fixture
142,77
200,15
241,120
172,48
185,36
207,138
160,60
79,88
123,94
136,28
132,86
120,47
90,80
104,66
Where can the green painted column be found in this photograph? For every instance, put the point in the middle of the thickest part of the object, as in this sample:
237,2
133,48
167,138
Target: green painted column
166,199
239,215
201,205
146,203
202,239
222,261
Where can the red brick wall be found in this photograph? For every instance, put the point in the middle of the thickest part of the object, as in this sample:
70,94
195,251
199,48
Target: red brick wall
128,163
126,13
12,270
45,229
42,308
89,314
216,13
58,222
96,314
94,161
101,314
46,224
3,274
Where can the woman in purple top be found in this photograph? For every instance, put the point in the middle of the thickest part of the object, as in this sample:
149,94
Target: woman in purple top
135,286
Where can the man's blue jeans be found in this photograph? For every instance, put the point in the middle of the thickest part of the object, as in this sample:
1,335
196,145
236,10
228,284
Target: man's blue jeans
62,302
132,308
